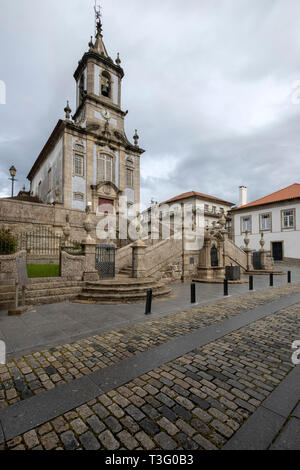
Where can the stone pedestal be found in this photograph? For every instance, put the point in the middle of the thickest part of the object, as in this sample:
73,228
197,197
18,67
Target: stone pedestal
138,260
90,272
213,274
249,259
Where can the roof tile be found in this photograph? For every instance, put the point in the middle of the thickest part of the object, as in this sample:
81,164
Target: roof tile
288,193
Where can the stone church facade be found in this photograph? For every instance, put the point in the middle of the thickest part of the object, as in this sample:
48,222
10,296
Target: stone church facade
88,160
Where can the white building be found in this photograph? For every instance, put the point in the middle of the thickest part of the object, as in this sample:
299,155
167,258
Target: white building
277,216
213,206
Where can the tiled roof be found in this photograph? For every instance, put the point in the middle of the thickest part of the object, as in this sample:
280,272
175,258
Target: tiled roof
195,193
285,194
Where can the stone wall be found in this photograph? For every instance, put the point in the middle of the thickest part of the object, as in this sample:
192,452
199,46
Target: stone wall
72,267
8,267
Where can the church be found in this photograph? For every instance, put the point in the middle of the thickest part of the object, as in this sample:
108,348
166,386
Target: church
88,160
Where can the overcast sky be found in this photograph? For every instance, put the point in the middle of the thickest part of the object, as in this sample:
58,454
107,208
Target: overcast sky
208,84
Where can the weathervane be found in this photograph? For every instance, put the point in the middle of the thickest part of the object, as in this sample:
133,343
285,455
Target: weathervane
98,17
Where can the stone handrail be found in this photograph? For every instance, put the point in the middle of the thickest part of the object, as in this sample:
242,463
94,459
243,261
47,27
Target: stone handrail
157,254
160,254
235,254
124,256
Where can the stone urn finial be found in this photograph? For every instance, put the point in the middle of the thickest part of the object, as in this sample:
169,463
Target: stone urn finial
118,60
68,111
67,229
88,223
246,240
262,241
136,138
222,220
91,44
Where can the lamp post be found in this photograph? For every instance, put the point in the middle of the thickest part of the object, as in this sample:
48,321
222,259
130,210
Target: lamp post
12,172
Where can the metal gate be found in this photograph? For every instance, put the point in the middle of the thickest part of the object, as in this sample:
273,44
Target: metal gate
105,261
256,260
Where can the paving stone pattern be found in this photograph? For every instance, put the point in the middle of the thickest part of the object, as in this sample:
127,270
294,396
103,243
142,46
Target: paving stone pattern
197,401
34,373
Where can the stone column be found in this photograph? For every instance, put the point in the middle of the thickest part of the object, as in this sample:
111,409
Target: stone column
248,252
90,272
139,263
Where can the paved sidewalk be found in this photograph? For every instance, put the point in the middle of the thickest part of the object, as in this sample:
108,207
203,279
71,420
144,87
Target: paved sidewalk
201,399
31,374
50,325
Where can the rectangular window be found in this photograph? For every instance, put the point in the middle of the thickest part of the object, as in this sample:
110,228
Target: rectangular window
265,222
206,207
288,219
214,209
246,224
129,178
78,165
78,197
105,168
39,189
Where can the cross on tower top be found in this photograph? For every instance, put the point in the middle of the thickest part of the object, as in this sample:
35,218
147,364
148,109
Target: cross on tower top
98,17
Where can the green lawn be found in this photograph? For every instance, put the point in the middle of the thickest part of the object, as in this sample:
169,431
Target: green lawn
43,270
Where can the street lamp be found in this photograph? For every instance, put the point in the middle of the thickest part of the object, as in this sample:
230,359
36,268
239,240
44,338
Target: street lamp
12,172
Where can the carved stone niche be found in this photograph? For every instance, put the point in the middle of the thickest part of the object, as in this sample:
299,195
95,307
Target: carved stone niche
104,190
107,190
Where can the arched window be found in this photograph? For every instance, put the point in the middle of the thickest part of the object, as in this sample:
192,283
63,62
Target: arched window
105,168
105,84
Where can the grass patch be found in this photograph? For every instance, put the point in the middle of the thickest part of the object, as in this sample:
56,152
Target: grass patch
43,270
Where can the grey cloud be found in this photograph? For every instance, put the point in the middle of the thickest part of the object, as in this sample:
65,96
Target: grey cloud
203,86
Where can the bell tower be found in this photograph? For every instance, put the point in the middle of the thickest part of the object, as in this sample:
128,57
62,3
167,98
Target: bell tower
98,85
88,159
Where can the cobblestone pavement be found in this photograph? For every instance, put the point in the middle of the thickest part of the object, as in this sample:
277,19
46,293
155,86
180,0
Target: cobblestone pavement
197,401
31,374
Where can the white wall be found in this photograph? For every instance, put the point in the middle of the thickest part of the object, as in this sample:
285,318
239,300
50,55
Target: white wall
290,237
53,162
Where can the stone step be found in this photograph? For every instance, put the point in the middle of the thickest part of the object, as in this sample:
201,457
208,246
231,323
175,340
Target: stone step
58,285
121,297
123,286
114,292
32,286
52,299
121,282
53,292
126,270
39,296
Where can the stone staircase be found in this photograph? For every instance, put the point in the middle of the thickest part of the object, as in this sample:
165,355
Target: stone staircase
126,271
122,289
41,291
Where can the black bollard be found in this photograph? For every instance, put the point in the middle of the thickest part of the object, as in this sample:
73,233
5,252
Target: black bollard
148,302
289,277
193,293
225,287
271,280
250,282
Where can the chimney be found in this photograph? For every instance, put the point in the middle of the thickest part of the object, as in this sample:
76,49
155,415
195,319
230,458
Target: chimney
243,195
